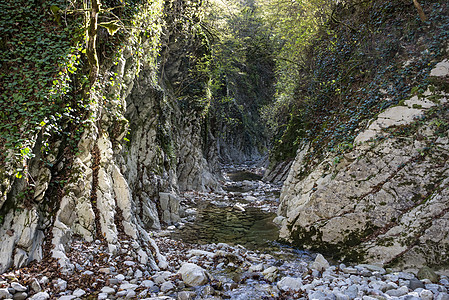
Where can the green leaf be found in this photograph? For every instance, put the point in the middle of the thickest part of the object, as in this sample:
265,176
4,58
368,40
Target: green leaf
111,26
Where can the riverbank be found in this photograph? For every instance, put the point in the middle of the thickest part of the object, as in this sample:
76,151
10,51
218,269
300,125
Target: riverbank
223,248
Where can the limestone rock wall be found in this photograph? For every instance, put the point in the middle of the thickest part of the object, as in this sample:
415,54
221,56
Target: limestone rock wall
385,200
136,154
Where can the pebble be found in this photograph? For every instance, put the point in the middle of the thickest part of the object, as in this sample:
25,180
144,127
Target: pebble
41,296
79,293
20,296
102,296
62,284
18,287
4,294
320,263
128,286
108,290
148,283
186,295
35,286
167,286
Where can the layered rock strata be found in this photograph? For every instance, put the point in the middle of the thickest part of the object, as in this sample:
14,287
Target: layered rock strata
385,200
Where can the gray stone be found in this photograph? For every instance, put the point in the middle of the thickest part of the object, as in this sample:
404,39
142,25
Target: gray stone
20,296
138,274
340,296
5,294
316,295
120,277
270,273
349,270
102,296
35,286
426,295
79,293
193,275
40,296
121,293
442,296
427,273
18,287
148,283
61,284
403,290
167,287
351,292
289,284
129,263
44,280
256,268
208,291
113,281
130,294
415,284
320,263
67,297
108,290
128,286
186,295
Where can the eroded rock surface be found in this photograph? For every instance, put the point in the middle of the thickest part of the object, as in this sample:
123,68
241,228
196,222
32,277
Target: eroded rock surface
385,200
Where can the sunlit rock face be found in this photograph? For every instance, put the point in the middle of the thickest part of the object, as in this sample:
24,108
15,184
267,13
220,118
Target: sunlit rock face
385,200
137,152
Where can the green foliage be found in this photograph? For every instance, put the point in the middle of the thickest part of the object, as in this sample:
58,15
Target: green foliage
242,73
354,69
38,63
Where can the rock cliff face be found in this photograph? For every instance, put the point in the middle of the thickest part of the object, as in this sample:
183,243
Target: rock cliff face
114,186
385,200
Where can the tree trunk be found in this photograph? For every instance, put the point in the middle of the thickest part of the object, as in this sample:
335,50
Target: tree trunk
91,49
421,13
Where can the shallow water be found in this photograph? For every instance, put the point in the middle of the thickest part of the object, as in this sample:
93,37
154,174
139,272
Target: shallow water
252,228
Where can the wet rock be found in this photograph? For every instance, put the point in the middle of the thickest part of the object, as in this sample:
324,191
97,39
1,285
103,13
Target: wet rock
270,273
320,263
193,275
256,268
290,284
427,273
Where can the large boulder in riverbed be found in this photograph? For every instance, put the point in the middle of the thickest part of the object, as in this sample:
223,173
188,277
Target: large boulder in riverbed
193,275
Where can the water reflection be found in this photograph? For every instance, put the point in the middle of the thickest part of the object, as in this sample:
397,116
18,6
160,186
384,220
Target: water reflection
251,228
